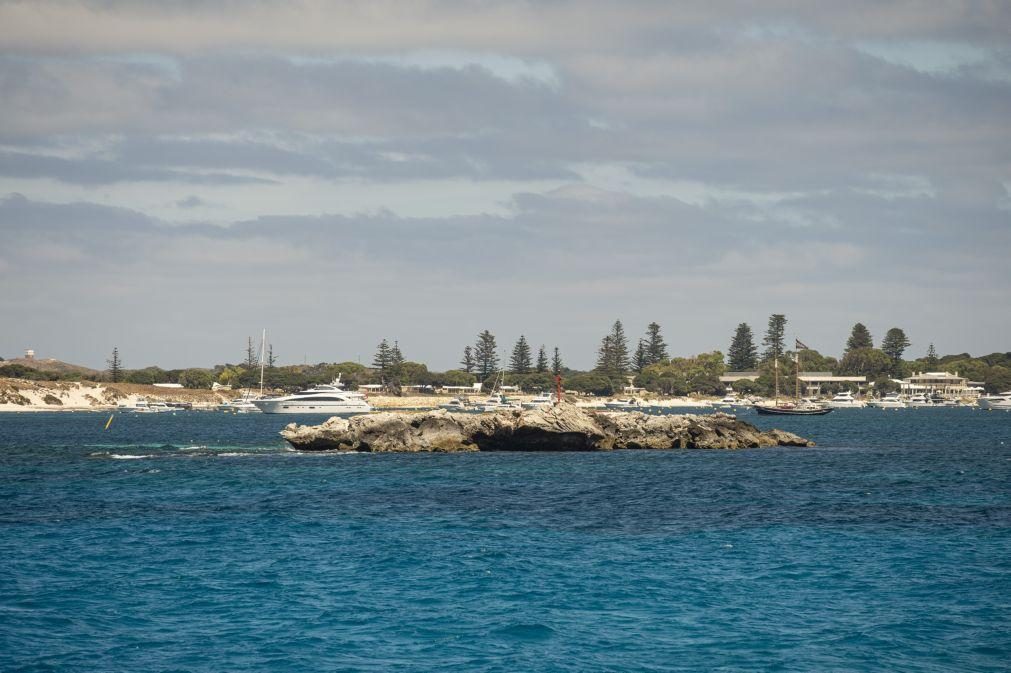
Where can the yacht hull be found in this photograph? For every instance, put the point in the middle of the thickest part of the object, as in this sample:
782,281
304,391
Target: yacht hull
310,407
787,411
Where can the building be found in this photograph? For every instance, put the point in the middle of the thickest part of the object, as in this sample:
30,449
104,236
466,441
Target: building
731,378
813,381
950,386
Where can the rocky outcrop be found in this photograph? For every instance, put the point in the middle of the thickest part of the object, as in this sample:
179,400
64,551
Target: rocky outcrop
561,428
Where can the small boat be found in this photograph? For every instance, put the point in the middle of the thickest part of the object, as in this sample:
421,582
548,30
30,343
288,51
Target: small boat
240,405
630,403
460,405
845,400
146,407
889,401
542,400
1002,401
919,400
732,401
498,402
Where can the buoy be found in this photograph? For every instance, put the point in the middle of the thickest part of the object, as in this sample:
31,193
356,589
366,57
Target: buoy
109,422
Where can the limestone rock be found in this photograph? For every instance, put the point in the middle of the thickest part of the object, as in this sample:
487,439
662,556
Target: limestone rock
564,427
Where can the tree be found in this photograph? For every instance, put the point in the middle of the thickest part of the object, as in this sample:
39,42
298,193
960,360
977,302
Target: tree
612,357
556,363
860,337
396,357
271,360
467,362
252,361
894,345
196,378
931,359
774,336
542,360
486,354
384,357
641,358
869,362
520,362
742,355
656,348
115,366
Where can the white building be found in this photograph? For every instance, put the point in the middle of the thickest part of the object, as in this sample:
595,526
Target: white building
950,386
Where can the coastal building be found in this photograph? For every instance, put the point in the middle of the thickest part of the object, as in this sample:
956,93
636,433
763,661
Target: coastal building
29,354
813,381
731,378
950,386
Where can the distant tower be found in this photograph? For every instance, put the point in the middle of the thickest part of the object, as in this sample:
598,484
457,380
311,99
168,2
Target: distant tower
29,354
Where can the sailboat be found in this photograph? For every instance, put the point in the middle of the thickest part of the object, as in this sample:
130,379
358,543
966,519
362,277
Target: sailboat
244,404
799,407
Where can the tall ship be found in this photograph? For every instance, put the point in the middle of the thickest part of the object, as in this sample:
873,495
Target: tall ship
800,407
329,398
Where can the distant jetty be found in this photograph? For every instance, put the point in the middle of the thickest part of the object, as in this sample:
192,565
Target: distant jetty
564,427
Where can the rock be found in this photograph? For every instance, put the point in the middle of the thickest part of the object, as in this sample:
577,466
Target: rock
564,427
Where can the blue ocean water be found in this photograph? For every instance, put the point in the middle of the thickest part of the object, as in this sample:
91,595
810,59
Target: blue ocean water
198,542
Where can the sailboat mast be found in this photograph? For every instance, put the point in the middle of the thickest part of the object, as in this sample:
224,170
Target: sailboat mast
798,373
777,380
263,354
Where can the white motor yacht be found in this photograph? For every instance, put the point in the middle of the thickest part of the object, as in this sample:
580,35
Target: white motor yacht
542,400
845,400
328,398
919,400
889,401
498,402
240,405
145,407
630,403
1002,401
460,404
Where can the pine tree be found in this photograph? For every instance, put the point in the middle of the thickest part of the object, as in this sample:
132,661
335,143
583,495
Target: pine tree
486,354
542,360
383,359
605,354
271,360
467,362
742,355
556,363
775,336
931,358
396,357
612,356
115,366
520,361
252,361
860,337
656,349
641,359
895,343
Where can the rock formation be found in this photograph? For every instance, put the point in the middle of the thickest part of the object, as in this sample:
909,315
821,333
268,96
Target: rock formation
560,428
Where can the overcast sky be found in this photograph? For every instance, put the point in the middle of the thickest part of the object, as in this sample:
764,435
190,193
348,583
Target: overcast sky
175,176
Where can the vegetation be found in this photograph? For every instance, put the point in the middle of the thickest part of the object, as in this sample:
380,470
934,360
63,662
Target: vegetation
742,355
681,376
612,356
486,355
115,366
775,336
556,363
860,338
520,362
467,362
894,345
542,360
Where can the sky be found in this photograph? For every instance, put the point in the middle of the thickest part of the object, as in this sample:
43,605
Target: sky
178,175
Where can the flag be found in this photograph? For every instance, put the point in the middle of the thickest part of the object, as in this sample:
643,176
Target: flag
800,346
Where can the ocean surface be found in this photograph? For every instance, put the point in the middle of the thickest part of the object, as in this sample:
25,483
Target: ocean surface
198,542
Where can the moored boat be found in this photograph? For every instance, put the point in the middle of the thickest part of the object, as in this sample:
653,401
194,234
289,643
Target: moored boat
320,399
889,401
845,400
